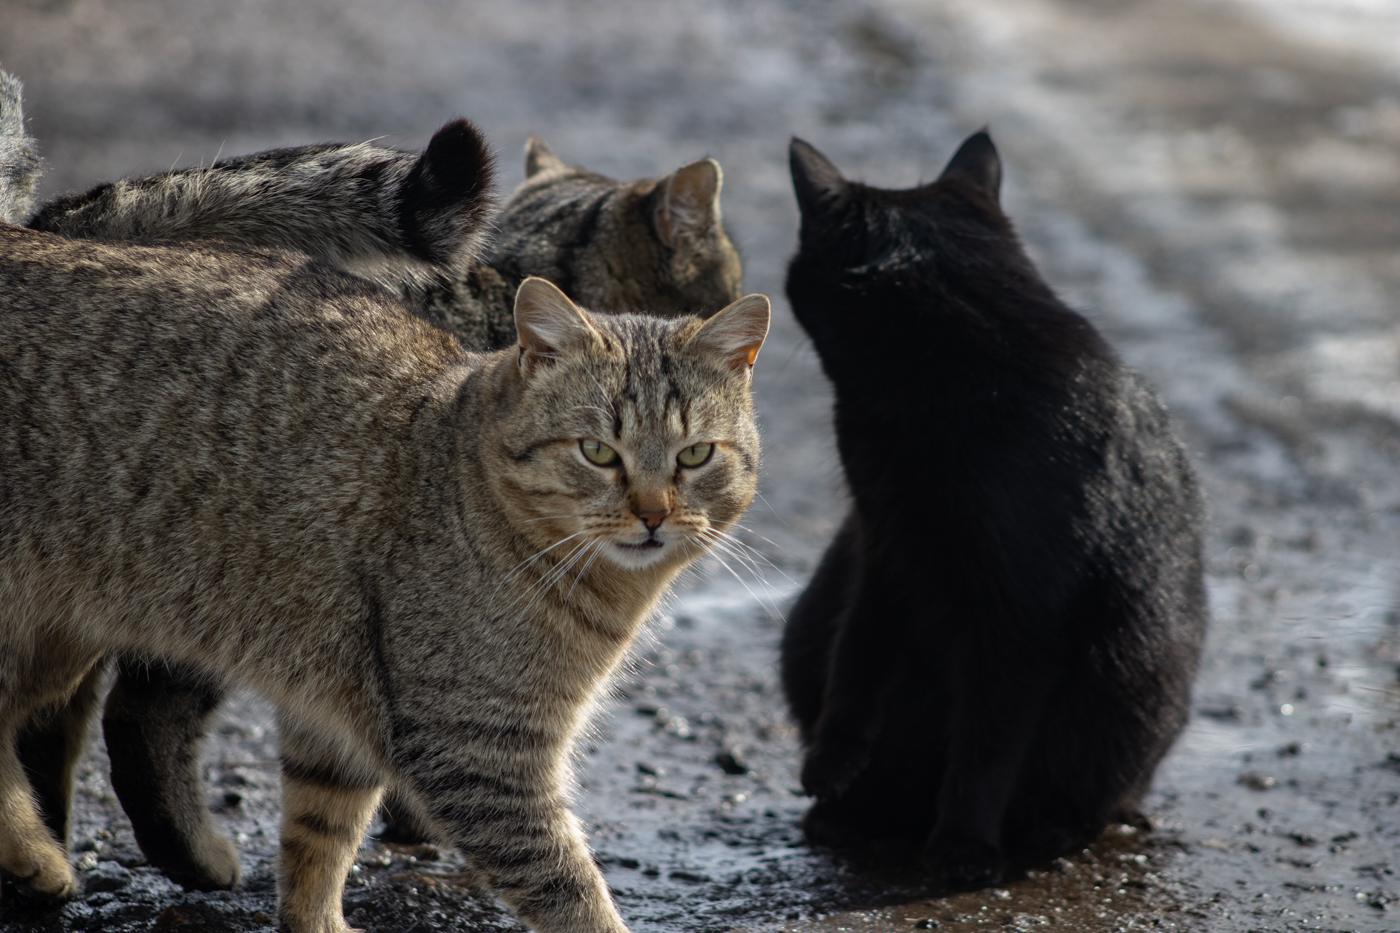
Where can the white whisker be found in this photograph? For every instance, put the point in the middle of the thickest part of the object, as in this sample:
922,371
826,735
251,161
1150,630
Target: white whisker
763,601
597,547
720,546
518,568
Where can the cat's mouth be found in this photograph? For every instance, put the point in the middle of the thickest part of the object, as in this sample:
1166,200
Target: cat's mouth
638,554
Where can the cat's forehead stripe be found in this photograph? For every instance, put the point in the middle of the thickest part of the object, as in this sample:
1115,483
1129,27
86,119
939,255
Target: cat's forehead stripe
650,395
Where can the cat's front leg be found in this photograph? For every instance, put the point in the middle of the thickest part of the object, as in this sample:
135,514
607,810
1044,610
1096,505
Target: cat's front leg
864,665
498,807
327,803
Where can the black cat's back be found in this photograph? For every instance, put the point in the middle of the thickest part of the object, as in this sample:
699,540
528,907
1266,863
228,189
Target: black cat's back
998,647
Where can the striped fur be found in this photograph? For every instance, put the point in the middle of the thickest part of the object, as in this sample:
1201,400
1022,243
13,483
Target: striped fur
248,464
350,206
19,156
654,243
416,226
407,221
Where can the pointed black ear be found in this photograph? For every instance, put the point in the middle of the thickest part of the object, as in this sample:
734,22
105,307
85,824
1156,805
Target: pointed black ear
977,161
445,200
817,182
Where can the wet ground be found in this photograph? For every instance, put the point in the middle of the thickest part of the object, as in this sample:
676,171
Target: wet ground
1216,183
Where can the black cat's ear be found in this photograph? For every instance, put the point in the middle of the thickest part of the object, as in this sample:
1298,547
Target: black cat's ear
445,200
548,323
540,158
736,333
977,161
817,182
688,206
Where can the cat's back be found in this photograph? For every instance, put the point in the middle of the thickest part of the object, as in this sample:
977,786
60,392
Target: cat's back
198,436
119,301
138,378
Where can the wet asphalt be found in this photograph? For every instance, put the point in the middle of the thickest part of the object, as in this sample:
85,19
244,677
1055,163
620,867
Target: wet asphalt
1219,191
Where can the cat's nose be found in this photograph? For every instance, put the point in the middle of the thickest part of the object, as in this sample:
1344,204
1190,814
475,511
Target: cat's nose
652,518
652,508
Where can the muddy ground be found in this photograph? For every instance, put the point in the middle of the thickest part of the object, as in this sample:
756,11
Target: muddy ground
1216,183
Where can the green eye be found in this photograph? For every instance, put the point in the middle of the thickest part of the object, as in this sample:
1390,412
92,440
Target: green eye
695,455
598,452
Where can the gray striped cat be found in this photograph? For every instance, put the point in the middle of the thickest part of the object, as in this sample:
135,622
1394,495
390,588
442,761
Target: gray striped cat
429,560
654,243
406,221
399,219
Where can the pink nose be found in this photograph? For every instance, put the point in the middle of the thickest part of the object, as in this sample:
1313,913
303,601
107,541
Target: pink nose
652,518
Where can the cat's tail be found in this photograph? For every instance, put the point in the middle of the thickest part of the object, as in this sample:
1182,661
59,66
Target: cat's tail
401,219
19,155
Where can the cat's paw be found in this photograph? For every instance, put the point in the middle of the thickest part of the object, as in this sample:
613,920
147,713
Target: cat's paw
822,826
828,771
40,877
964,863
213,864
1050,842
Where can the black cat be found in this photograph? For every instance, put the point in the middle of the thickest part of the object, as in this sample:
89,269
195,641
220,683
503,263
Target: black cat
998,647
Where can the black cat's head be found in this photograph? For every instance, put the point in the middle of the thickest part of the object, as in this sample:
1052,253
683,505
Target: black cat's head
922,255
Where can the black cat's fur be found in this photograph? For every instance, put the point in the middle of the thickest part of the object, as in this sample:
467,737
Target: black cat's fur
998,647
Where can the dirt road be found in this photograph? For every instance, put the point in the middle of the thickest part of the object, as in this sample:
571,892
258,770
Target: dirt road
1216,183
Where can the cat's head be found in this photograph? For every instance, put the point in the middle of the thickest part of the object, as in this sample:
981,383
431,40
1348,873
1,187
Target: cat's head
656,244
943,248
626,440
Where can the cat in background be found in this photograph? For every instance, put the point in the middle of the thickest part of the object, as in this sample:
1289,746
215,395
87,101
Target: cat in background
477,537
409,222
998,647
356,207
654,243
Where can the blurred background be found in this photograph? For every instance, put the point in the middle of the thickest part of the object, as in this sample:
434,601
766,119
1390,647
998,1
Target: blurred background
1215,183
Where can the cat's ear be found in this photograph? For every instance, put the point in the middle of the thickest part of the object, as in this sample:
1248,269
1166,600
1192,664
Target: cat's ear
977,161
540,158
736,333
688,207
548,323
445,200
817,183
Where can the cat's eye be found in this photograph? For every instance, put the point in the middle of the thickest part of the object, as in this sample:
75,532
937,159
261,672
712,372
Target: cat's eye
695,455
599,453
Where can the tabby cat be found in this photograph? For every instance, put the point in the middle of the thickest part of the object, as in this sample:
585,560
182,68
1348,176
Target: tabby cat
391,216
656,243
998,647
408,222
250,465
